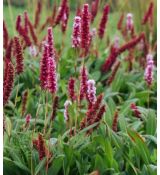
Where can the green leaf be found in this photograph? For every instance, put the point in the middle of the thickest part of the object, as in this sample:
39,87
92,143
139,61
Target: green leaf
8,126
56,165
140,146
151,123
40,166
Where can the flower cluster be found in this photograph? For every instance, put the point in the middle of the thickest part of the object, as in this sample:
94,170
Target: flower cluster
94,113
48,75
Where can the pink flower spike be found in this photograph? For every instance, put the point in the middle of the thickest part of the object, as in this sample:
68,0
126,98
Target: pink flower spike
66,112
33,51
129,22
91,91
76,39
52,76
148,75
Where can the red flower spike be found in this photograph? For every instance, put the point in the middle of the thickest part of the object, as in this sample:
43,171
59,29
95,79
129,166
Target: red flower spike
54,107
83,82
28,119
148,15
115,122
50,40
110,60
78,11
24,101
65,19
52,76
8,81
18,55
85,28
120,22
94,9
32,32
41,147
131,43
114,71
134,108
91,113
18,22
26,19
5,36
61,11
37,14
25,36
71,89
44,68
103,22
99,116
8,54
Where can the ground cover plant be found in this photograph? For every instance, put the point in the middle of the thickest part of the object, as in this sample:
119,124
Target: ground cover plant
79,88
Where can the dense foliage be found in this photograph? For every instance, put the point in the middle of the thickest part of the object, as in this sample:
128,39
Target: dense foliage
80,93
